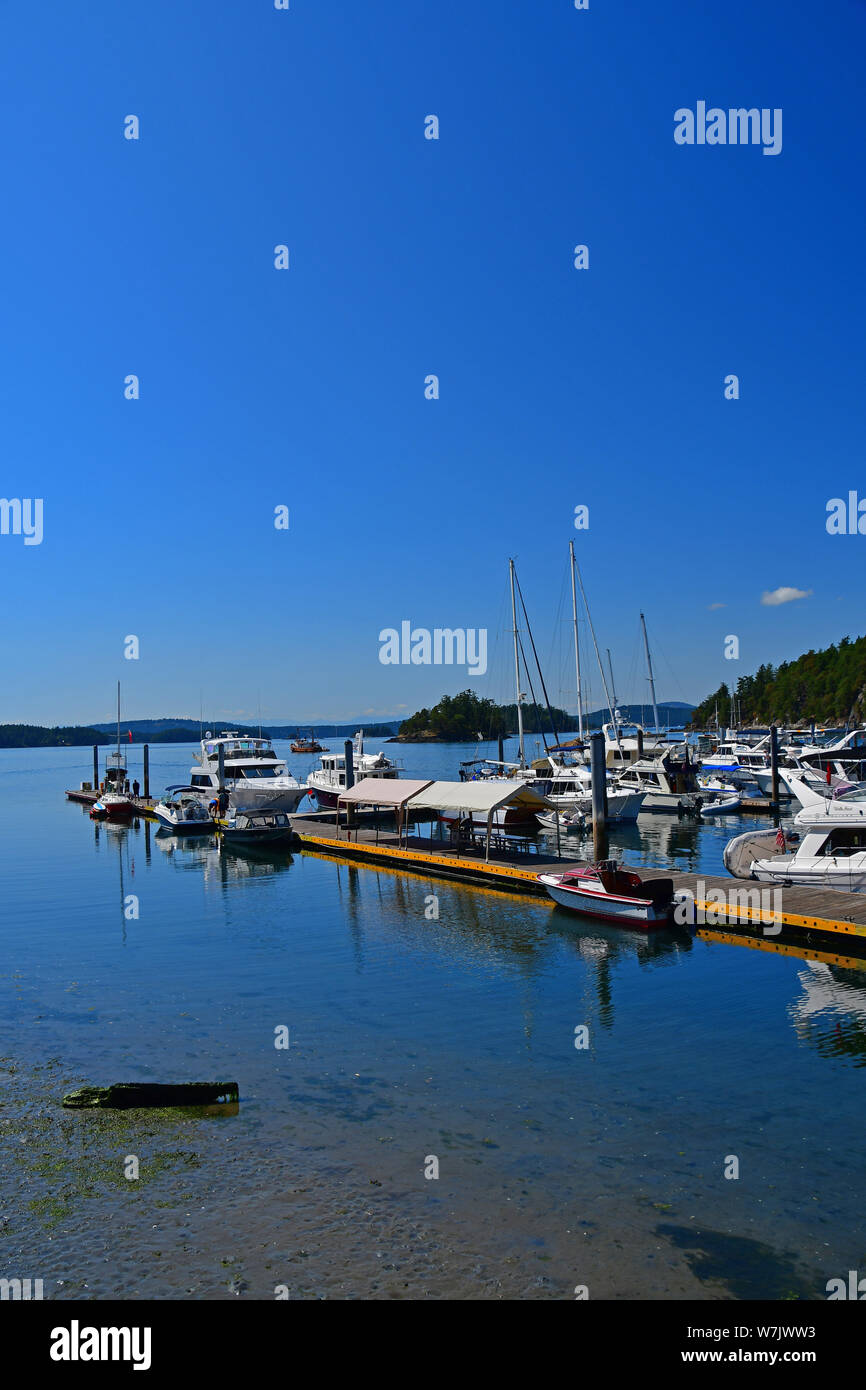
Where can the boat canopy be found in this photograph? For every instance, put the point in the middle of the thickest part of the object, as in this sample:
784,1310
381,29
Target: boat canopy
484,797
378,791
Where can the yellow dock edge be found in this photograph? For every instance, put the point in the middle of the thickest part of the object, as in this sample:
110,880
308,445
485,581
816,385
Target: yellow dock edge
720,913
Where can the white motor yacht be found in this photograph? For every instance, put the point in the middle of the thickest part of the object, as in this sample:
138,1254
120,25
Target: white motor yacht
183,811
254,776
329,781
844,804
832,857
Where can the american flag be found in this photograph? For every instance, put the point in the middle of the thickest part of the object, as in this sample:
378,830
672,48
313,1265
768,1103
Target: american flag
780,838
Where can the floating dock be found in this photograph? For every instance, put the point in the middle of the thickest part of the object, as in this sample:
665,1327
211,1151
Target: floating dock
804,913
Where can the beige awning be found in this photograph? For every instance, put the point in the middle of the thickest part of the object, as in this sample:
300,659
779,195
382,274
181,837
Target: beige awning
382,791
481,797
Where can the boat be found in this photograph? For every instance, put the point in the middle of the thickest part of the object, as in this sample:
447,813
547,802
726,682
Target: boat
833,857
570,822
668,785
617,895
113,802
329,781
256,827
253,775
182,811
308,745
720,806
842,804
739,762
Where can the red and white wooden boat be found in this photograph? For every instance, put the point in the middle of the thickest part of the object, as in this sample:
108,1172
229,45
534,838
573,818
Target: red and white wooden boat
617,895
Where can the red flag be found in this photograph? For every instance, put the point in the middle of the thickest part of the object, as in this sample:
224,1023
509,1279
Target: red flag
129,731
828,774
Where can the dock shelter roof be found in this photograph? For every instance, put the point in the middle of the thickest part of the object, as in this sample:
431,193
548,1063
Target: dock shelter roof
383,791
483,797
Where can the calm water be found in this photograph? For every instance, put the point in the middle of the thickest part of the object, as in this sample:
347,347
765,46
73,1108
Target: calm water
411,1039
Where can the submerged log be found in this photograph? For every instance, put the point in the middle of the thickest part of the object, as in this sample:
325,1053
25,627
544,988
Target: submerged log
132,1095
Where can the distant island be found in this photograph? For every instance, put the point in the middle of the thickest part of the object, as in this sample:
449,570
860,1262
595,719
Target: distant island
823,687
170,731
466,718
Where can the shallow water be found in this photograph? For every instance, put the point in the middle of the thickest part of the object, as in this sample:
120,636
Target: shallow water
411,1038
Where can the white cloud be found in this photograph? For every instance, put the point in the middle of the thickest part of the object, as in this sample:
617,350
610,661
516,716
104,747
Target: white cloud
772,598
711,606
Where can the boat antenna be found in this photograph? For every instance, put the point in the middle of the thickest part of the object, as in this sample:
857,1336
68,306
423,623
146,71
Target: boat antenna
517,667
576,645
649,663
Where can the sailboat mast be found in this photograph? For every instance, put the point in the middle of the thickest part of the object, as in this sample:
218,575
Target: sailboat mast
118,722
612,681
598,659
576,644
516,665
649,664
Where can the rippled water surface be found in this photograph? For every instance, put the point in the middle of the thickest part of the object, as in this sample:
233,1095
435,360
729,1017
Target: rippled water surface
412,1039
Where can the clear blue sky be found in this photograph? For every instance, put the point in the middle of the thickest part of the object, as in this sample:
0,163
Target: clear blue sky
410,257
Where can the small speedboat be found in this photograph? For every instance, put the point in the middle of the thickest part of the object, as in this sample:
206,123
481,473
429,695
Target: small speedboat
570,822
182,811
256,827
617,895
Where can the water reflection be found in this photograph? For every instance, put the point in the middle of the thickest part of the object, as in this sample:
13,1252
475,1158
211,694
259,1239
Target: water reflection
830,1014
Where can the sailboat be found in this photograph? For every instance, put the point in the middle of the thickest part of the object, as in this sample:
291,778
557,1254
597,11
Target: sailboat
113,802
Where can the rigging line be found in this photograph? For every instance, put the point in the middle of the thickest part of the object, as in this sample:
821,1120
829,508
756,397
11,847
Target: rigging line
538,664
538,729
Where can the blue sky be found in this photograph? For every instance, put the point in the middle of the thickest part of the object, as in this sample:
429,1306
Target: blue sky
408,257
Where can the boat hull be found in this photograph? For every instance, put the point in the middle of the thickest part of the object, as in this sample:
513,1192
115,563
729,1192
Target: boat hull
608,907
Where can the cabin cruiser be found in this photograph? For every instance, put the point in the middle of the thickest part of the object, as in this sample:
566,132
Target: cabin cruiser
626,743
844,804
829,857
667,786
329,781
846,756
738,761
182,811
253,775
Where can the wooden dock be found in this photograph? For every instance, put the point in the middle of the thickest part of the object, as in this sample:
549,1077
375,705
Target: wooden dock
720,901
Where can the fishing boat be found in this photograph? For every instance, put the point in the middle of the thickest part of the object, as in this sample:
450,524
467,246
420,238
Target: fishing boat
113,802
617,895
308,745
328,781
255,827
824,858
182,811
253,775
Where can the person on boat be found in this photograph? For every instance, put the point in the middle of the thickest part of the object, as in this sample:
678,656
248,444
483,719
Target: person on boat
135,788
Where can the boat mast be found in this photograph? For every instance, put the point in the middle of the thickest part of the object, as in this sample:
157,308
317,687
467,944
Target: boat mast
517,666
612,681
576,644
118,723
598,659
650,670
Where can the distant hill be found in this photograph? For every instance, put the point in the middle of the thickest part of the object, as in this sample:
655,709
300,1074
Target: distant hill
826,687
466,718
171,731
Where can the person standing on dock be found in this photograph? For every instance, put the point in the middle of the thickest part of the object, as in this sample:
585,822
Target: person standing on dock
135,789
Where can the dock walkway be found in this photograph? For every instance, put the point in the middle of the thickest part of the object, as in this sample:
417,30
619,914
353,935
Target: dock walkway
719,900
